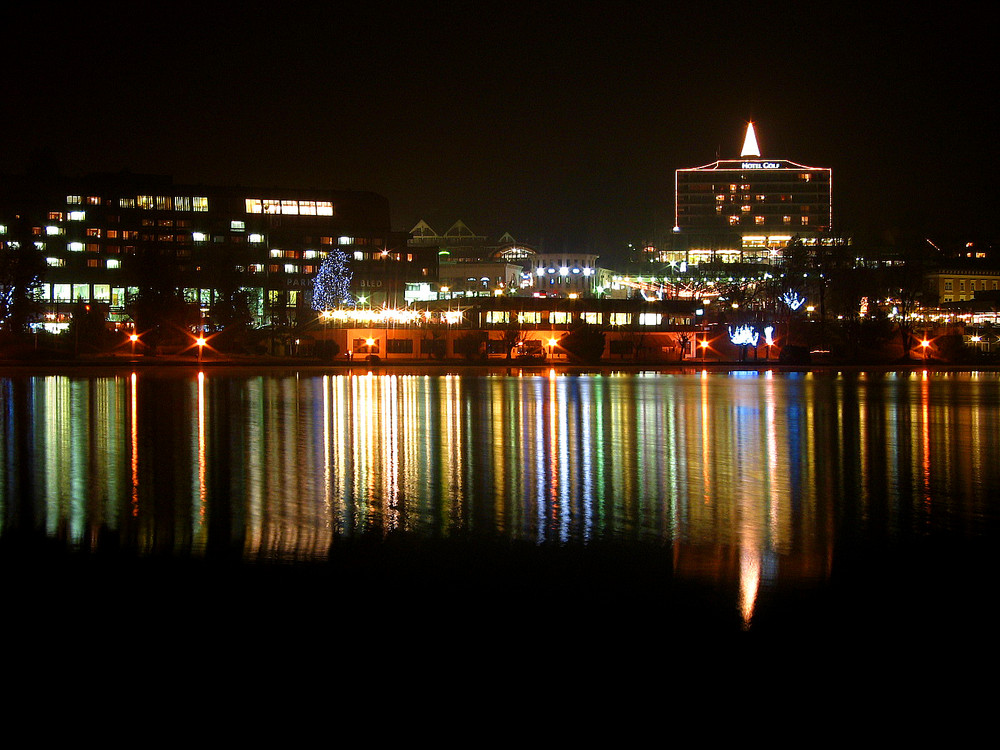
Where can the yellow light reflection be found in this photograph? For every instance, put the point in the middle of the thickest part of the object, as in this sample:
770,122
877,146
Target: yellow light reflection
134,447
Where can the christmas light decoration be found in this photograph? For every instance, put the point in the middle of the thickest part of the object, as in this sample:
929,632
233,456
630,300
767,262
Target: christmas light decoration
769,335
332,285
793,299
744,335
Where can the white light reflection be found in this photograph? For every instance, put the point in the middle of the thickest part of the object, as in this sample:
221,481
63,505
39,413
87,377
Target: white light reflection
749,583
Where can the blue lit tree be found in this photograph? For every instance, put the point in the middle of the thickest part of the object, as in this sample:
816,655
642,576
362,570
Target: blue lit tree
332,285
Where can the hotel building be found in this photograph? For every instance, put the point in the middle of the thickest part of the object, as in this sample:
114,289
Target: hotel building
748,209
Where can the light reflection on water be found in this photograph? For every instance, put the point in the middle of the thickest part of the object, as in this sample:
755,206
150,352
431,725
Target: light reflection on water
752,471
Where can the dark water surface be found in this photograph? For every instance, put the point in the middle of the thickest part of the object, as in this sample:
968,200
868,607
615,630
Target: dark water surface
733,500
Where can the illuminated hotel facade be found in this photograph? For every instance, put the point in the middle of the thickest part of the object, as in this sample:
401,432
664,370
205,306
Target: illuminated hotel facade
748,209
101,235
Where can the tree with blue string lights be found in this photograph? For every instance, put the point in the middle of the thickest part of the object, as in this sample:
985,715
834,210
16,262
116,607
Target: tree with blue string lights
332,285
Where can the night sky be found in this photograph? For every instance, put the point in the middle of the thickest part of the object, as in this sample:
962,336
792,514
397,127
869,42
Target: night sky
560,123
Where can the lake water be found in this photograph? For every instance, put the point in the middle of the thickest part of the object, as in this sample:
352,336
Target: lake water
764,498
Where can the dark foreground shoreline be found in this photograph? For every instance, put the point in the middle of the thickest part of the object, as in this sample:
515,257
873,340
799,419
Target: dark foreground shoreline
494,586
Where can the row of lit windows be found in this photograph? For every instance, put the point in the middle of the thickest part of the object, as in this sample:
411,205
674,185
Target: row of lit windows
113,295
556,317
289,207
983,285
735,219
783,198
145,202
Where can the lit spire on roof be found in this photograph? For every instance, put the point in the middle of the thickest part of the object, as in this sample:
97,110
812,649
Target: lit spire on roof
750,143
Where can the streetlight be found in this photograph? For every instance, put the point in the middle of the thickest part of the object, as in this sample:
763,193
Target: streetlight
704,347
925,343
133,337
552,343
200,341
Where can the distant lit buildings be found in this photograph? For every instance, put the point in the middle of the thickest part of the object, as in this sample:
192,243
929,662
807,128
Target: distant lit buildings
471,265
963,284
747,209
102,236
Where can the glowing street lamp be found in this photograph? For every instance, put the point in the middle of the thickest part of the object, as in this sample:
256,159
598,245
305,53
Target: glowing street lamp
704,346
552,343
200,342
132,338
925,343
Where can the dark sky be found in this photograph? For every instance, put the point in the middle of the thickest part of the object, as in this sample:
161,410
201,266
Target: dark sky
561,123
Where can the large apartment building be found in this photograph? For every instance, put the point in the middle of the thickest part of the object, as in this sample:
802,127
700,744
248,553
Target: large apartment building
102,236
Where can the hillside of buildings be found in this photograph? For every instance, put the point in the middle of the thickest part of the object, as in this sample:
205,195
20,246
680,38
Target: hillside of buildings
136,267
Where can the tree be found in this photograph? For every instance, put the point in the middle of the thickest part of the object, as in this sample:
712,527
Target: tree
332,284
21,269
513,335
157,307
585,344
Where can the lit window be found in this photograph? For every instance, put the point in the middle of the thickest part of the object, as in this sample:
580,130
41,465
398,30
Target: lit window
76,247
307,208
745,208
309,254
74,200
145,201
786,219
560,318
182,204
276,253
126,202
113,263
346,240
238,226
55,216
199,203
619,319
290,268
55,262
805,219
289,208
163,203
93,262
758,219
256,238
649,319
324,208
734,220
199,236
77,215
52,231
592,318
